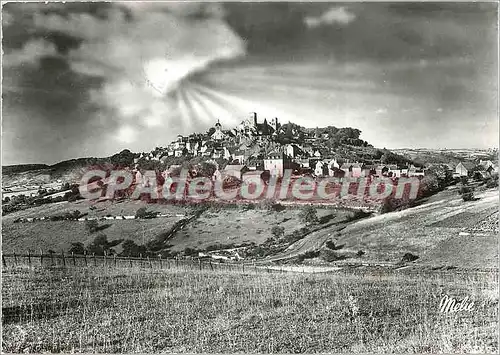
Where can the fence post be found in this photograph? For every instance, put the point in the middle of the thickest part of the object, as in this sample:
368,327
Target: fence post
114,259
243,267
199,261
29,258
73,256
85,257
130,260
63,258
140,260
211,266
159,257
52,258
15,259
95,261
41,257
105,263
3,261
150,264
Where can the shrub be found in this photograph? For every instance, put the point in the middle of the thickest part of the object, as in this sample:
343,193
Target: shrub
330,245
308,255
278,231
77,248
409,257
329,255
92,226
309,215
360,253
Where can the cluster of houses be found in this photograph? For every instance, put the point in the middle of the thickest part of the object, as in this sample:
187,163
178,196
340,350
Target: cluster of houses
253,146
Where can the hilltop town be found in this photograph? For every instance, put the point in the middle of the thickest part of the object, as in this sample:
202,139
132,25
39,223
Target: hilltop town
271,147
264,147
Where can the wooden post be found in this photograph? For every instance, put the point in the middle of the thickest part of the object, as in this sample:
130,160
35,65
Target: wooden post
52,258
74,260
114,259
63,259
140,261
243,267
95,261
41,257
15,259
211,266
159,257
150,264
85,257
29,258
105,263
130,260
3,261
199,261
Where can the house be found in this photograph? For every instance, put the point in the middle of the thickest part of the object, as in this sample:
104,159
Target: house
235,170
486,163
293,150
352,169
275,162
463,169
332,165
321,169
239,155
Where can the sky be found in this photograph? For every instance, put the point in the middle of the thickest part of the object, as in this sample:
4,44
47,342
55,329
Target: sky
92,79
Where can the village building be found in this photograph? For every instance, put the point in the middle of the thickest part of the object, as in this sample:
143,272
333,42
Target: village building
463,169
235,170
353,169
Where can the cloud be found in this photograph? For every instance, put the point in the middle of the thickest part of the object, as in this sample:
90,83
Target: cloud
145,58
29,54
335,15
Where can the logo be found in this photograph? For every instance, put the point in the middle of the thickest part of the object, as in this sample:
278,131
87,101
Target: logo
451,305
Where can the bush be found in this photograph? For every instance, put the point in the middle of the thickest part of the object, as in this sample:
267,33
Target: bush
92,226
277,231
130,248
329,255
308,255
330,245
309,215
77,249
360,253
467,193
469,196
409,257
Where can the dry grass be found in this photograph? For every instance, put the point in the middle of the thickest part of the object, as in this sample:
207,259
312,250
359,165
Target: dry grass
139,310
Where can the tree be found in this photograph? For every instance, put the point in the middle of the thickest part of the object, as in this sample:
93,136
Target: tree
101,246
77,248
130,248
278,231
141,212
92,226
309,215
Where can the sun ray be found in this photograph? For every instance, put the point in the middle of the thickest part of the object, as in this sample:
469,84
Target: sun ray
222,107
210,96
192,105
205,113
181,104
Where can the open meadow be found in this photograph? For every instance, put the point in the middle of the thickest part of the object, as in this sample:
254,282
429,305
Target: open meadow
112,310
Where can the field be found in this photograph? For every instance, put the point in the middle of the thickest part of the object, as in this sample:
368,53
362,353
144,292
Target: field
148,310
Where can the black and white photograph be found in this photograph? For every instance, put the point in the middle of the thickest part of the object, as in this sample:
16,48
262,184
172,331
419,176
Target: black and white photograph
259,177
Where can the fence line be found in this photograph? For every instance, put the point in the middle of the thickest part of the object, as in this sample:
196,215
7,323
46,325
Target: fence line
86,260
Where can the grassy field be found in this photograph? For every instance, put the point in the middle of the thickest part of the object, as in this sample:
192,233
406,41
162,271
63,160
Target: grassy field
139,310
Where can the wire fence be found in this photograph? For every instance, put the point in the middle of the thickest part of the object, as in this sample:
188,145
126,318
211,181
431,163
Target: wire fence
29,259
